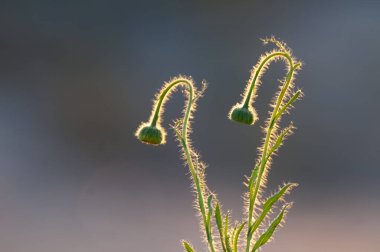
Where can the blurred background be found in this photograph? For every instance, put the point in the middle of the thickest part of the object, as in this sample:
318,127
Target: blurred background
77,78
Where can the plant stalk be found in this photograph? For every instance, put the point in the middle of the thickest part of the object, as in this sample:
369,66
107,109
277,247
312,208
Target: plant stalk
184,142
194,172
264,158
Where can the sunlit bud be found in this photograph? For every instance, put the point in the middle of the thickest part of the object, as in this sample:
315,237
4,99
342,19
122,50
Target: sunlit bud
150,135
242,115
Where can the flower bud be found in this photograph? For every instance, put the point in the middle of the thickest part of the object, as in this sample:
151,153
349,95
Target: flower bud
150,135
242,115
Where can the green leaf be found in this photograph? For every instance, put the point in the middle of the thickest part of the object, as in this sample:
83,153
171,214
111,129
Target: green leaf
253,177
209,203
264,238
228,245
268,205
279,140
233,235
208,218
226,235
219,224
252,188
179,135
187,246
236,238
226,226
292,100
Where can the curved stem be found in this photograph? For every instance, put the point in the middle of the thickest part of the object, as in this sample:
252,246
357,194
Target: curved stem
185,145
264,158
194,173
163,95
265,61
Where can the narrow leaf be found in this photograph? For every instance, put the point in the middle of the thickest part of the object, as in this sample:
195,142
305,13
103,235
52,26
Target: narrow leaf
209,203
179,136
264,238
187,246
219,224
254,174
233,235
279,140
226,225
228,245
226,235
236,238
292,100
268,205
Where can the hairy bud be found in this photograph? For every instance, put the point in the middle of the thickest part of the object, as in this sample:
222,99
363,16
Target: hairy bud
150,135
242,115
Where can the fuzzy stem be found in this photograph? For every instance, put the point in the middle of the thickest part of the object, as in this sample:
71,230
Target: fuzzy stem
185,145
194,172
162,96
254,80
264,158
200,196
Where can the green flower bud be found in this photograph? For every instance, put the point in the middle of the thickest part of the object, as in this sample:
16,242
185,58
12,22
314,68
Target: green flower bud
150,135
242,115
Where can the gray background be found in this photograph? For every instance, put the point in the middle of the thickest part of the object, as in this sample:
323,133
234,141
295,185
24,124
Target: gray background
77,78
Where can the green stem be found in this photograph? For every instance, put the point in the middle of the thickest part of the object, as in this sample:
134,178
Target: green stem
252,197
184,142
162,96
200,198
254,80
194,173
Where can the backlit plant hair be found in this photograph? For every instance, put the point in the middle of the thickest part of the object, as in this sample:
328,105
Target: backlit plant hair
182,127
257,210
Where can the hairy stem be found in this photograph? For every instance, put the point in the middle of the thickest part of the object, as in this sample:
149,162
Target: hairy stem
264,157
185,145
194,174
163,95
254,80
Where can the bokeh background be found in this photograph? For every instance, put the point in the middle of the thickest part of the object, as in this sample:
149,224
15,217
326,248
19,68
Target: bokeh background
77,77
